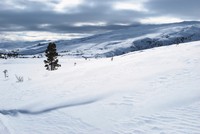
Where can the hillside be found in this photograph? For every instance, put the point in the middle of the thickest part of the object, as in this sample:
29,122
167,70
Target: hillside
116,42
155,91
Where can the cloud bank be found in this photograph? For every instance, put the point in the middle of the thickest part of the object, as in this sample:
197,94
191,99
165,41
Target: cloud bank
91,16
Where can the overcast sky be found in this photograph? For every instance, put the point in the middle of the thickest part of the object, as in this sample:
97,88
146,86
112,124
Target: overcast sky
78,17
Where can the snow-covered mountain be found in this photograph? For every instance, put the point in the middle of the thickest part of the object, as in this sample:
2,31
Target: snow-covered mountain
117,42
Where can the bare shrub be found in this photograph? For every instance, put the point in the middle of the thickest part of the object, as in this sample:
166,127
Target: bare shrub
19,78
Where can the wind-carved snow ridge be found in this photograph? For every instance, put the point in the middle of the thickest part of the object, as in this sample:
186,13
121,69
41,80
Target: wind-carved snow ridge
48,108
14,112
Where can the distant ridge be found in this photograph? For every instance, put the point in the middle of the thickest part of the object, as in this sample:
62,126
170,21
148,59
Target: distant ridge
118,42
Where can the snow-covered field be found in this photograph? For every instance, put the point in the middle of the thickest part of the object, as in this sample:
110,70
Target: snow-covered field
156,91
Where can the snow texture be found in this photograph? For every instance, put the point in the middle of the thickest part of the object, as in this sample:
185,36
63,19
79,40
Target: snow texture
155,91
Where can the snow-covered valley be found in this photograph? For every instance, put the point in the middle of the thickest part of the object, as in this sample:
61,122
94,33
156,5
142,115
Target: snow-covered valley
154,91
114,43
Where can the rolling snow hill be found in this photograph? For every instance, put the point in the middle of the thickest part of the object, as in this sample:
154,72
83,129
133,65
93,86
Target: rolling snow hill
155,91
116,42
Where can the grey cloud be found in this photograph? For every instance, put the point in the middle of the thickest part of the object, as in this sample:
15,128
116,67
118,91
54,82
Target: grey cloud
32,18
185,9
86,29
37,13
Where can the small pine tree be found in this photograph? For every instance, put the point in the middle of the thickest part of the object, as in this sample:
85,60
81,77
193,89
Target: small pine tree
52,62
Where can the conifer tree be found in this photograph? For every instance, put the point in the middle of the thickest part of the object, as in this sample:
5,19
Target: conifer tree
52,62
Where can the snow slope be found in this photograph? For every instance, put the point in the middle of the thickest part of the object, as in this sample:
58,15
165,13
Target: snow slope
117,42
155,91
